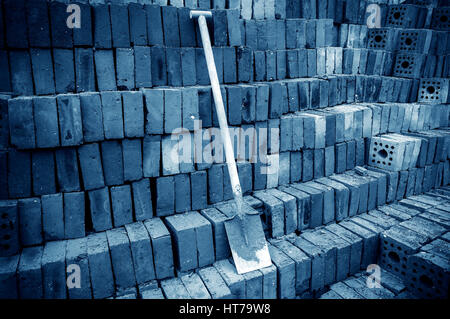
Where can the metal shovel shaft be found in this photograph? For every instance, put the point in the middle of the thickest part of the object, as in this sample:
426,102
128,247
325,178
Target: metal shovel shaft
220,110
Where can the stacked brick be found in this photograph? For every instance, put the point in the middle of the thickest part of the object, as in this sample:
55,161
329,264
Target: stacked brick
94,123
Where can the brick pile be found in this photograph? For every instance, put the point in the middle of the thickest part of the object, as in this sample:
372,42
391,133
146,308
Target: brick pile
357,122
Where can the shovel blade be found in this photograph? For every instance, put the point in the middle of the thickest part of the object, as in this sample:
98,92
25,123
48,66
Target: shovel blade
256,254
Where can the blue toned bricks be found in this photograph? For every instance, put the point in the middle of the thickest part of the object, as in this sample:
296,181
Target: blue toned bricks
142,66
52,217
215,183
121,205
151,156
43,170
172,110
165,196
64,70
15,17
142,199
125,68
67,169
119,26
100,209
158,65
92,117
77,253
190,108
182,193
234,30
201,67
10,229
216,218
21,126
154,25
245,64
29,273
220,28
183,233
30,221
199,190
141,251
46,122
162,248
188,66
19,174
229,59
104,70
38,23
112,115
8,278
121,260
173,58
82,36
42,66
84,70
74,215
54,270
91,166
154,106
102,280
21,74
170,26
112,162
187,28
70,122
138,24
102,27
133,113
132,159
61,34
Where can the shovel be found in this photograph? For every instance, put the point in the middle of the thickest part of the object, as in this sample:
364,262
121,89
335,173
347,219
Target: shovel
244,229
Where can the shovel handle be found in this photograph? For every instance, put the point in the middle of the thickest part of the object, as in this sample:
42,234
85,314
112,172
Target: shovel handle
220,111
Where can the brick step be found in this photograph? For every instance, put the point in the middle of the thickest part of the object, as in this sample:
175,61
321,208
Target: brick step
87,70
145,248
363,286
74,119
315,142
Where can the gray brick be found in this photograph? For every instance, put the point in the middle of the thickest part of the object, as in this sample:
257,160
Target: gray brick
70,122
54,270
92,117
74,215
162,247
29,279
121,259
102,280
121,205
100,209
91,166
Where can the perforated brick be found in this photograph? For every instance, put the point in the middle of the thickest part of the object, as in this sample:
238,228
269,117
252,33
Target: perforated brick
408,65
387,154
433,90
404,16
382,38
9,228
441,18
